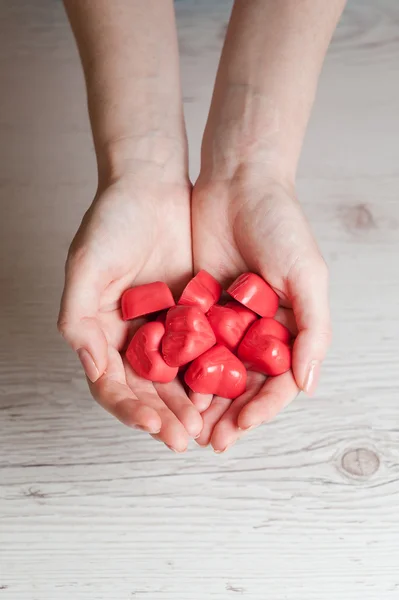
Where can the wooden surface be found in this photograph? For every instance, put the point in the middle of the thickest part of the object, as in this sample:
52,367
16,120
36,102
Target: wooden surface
304,509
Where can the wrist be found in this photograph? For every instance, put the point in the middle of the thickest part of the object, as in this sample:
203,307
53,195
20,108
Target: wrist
247,132
247,180
254,162
154,156
139,130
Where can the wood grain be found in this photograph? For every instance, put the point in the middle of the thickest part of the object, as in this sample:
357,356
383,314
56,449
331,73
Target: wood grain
304,509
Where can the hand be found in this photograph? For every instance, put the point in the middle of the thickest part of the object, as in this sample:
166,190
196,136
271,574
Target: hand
252,223
136,231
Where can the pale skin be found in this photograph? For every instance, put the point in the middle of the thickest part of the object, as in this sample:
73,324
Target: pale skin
147,223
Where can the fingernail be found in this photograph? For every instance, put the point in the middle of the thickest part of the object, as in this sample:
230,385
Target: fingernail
88,365
225,450
249,428
312,378
146,429
174,449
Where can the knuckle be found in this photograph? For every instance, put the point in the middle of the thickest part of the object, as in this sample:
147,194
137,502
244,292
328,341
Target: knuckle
78,252
62,326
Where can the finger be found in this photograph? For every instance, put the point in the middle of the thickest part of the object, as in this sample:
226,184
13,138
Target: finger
308,289
179,403
210,417
172,432
200,401
226,432
77,321
114,395
273,396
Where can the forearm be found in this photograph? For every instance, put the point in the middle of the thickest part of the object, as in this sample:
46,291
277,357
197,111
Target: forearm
129,54
266,83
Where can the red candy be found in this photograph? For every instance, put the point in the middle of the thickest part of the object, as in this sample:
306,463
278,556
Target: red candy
265,354
202,291
219,372
228,326
146,299
270,327
246,315
187,335
144,355
197,340
254,293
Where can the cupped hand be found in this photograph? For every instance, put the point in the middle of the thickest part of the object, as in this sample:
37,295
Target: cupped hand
136,231
255,223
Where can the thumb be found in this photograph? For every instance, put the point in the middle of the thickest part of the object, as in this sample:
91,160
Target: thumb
308,292
78,318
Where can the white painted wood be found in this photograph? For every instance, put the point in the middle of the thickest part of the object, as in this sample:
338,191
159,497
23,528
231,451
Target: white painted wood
304,509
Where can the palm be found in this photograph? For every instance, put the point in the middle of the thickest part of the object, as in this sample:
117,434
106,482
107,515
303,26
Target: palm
133,238
256,228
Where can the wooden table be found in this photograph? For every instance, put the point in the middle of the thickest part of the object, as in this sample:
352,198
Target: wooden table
303,509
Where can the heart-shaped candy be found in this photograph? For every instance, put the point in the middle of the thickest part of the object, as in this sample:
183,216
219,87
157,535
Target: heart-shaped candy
227,325
187,335
217,371
264,353
247,316
144,354
267,326
202,291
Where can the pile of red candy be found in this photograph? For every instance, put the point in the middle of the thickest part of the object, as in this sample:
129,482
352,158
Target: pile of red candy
211,344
